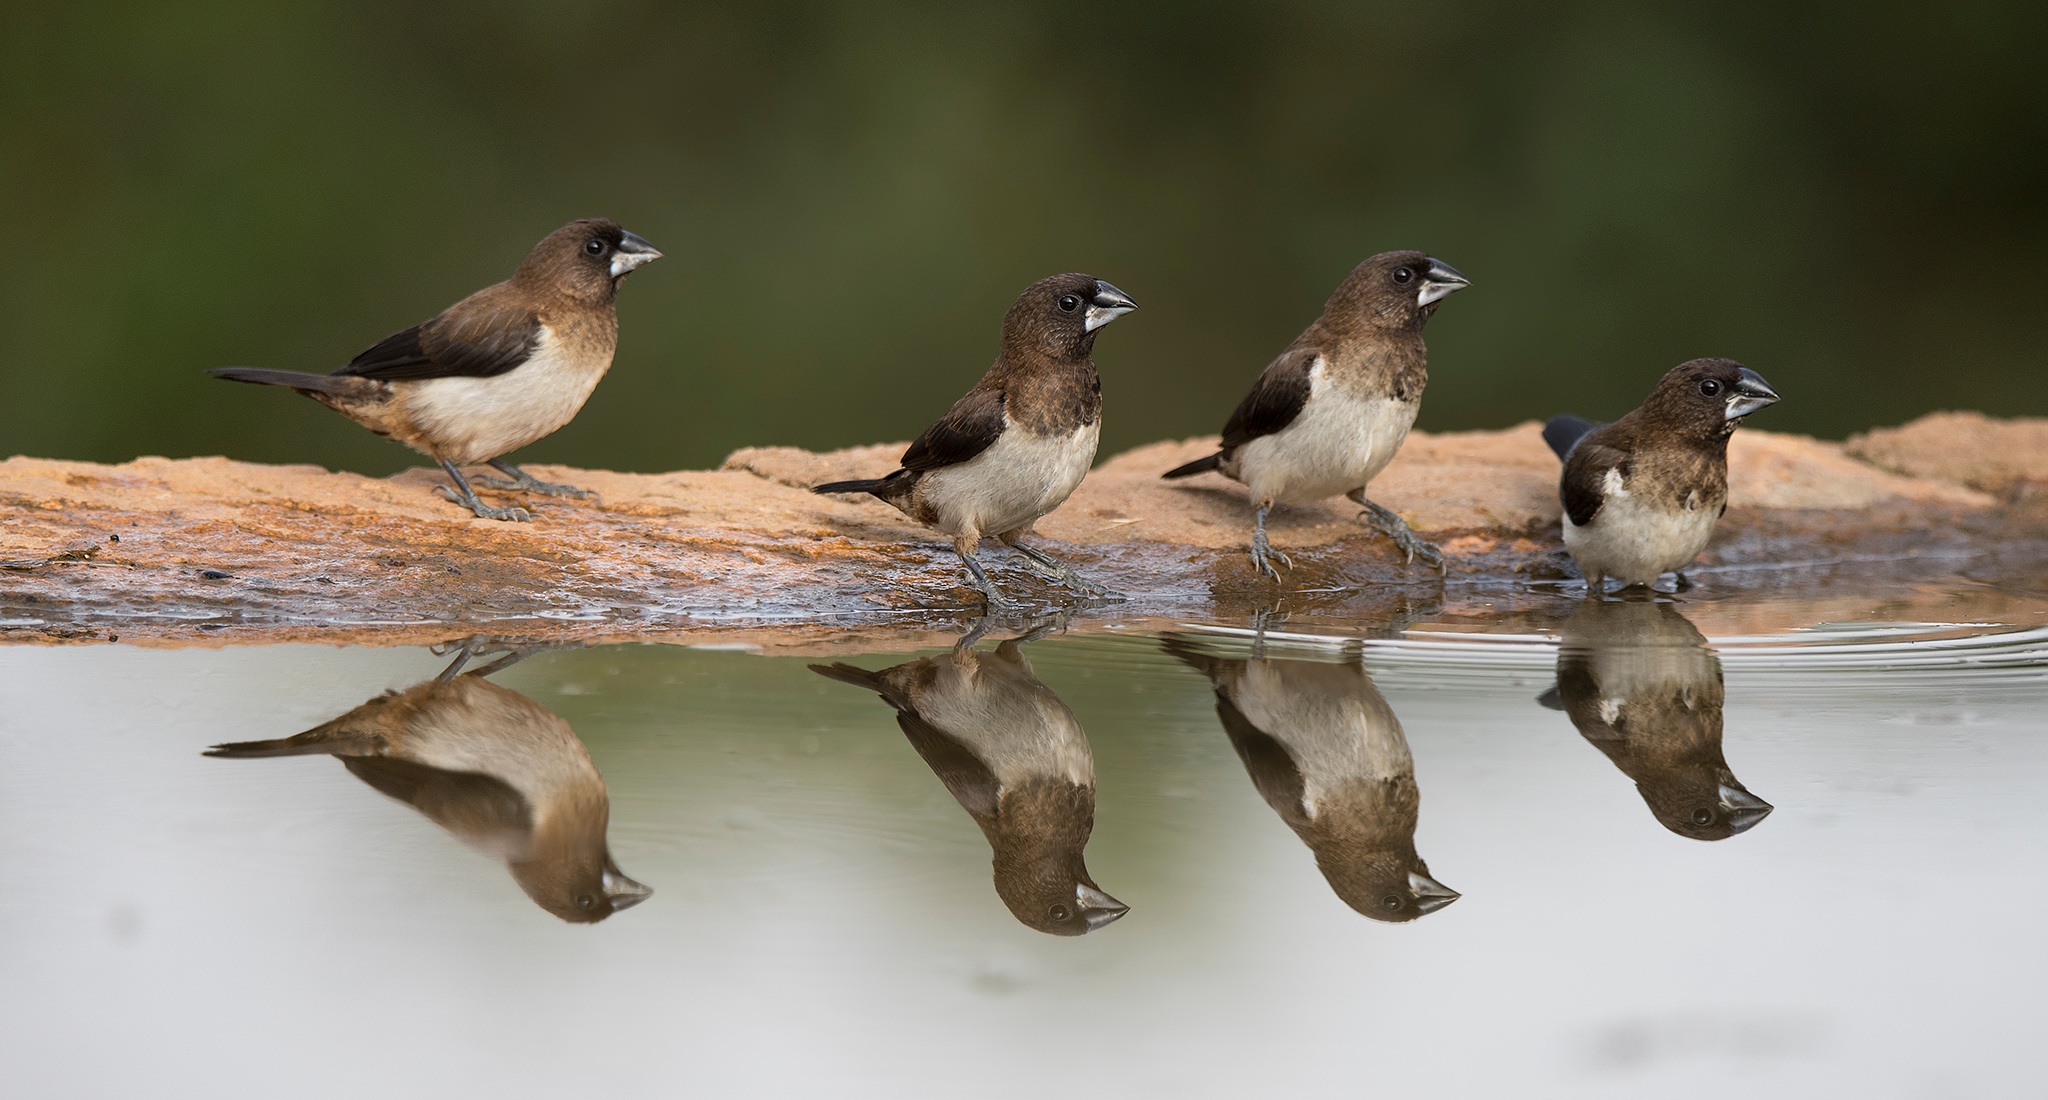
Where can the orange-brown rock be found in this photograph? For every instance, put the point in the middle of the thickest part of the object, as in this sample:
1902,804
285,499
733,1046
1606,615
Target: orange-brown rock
211,548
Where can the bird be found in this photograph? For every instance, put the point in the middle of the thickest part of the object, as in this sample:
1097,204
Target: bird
1019,442
1328,755
1638,681
1641,495
1016,759
496,370
502,773
1327,415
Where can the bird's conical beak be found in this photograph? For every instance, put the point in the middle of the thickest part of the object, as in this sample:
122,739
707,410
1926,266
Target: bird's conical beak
1743,808
632,252
1440,282
1751,393
624,892
1098,908
1430,895
1106,305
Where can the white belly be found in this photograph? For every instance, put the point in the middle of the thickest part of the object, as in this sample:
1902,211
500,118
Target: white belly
1635,542
1021,477
1012,723
1338,443
1332,720
477,419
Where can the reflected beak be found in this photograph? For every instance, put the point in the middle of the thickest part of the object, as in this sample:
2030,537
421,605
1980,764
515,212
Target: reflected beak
1098,908
1439,282
624,892
1107,305
1430,895
1743,808
633,251
1750,394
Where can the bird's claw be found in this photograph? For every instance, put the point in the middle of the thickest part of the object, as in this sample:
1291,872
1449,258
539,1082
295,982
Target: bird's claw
535,485
485,511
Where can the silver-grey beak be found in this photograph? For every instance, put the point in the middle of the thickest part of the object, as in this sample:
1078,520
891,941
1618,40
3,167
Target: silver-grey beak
1751,393
1107,304
1098,908
1743,808
1430,895
1440,282
633,251
624,892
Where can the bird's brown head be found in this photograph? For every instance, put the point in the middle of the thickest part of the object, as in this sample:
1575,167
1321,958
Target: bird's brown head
584,260
1057,318
1706,399
1393,292
1055,896
581,887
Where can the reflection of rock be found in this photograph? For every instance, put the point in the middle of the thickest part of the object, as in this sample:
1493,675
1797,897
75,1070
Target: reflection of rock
1014,757
747,542
1326,752
505,775
1639,682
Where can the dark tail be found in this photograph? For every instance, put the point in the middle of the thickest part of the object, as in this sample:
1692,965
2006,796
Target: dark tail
322,383
876,682
867,485
302,745
1198,466
1564,432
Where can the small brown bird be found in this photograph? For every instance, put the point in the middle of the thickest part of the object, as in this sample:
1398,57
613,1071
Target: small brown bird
507,776
1327,754
1641,495
1019,443
1017,761
1639,682
1328,415
496,370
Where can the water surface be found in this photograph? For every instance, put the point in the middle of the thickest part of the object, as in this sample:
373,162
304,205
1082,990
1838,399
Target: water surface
1605,855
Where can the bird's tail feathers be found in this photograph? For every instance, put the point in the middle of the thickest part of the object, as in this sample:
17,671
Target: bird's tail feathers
1198,466
1564,432
863,485
337,738
876,682
298,380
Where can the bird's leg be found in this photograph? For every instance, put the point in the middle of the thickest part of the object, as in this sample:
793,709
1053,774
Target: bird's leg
994,599
516,478
1262,550
464,495
1396,528
1058,570
1262,619
1685,583
975,630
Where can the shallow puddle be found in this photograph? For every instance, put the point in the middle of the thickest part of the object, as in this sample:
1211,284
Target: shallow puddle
1602,854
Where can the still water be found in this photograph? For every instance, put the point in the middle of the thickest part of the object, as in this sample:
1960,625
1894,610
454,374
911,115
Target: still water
1609,858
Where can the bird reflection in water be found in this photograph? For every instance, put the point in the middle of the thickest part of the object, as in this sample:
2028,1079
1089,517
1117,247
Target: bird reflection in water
1637,679
504,774
1013,756
1326,752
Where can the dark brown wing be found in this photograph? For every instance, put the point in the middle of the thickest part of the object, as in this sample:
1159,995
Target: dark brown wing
1583,473
968,428
481,336
1273,770
1276,399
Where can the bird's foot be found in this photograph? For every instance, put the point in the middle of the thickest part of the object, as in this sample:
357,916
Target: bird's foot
485,511
1683,583
1045,565
1263,555
1405,539
530,484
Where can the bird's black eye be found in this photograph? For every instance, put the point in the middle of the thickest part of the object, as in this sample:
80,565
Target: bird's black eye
1391,902
1709,387
594,246
1061,912
1403,275
1069,303
585,901
1703,816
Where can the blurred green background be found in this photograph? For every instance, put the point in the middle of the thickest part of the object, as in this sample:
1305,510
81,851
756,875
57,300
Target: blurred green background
1851,198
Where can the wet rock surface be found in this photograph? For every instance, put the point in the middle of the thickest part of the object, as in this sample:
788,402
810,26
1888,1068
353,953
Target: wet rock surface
210,550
